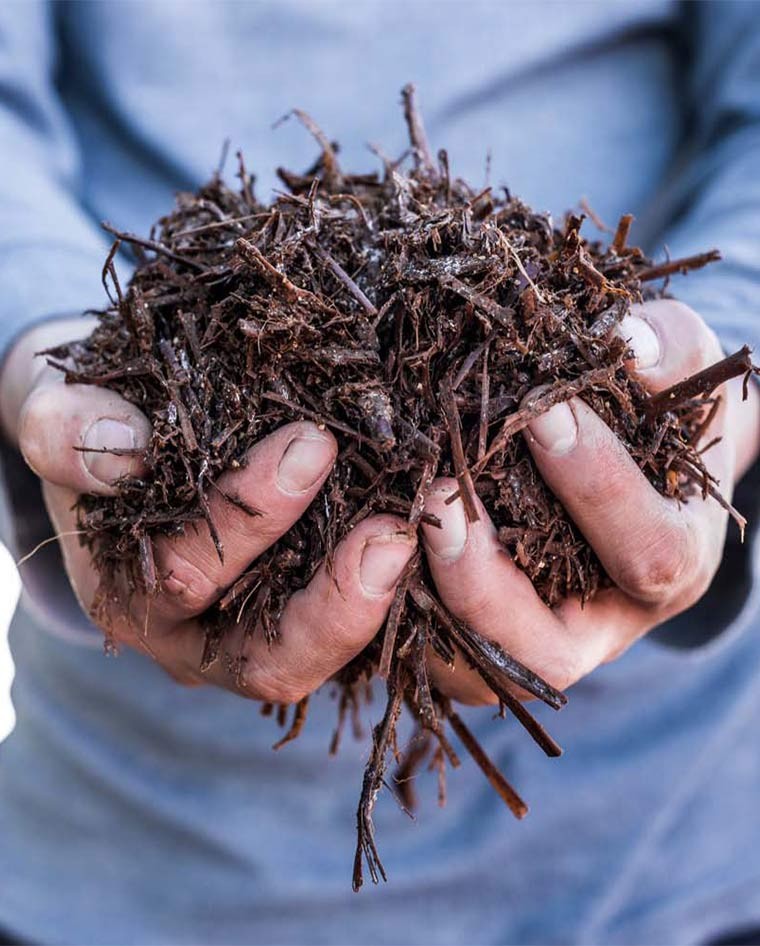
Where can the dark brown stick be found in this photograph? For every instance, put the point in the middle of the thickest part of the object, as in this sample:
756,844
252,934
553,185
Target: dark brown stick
464,478
394,615
701,384
342,276
151,245
373,778
505,791
683,265
299,719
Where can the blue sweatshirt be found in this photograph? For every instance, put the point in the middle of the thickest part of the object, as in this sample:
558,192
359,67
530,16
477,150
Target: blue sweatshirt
134,811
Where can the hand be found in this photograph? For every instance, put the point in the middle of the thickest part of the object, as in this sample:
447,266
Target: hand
662,557
322,628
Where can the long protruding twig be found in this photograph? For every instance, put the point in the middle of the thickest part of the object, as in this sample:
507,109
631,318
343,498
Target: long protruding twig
498,670
151,245
703,383
371,784
621,234
505,791
417,135
395,614
330,166
683,265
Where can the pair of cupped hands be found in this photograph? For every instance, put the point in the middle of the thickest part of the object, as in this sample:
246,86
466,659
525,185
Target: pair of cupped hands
661,556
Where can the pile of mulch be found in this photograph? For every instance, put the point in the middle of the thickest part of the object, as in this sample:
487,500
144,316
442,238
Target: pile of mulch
411,315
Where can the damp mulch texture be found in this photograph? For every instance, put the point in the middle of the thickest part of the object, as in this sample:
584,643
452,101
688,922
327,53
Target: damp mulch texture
425,323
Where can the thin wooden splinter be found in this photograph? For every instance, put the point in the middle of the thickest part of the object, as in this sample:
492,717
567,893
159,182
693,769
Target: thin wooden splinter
417,134
505,791
342,276
463,475
299,719
621,234
395,614
154,245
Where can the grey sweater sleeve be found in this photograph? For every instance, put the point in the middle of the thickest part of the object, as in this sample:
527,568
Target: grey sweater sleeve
713,200
51,255
51,251
713,196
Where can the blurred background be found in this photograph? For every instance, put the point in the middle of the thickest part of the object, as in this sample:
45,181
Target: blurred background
9,591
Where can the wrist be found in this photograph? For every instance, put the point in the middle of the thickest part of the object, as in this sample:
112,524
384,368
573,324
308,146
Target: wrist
22,368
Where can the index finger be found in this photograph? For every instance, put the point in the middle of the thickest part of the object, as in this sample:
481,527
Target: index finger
250,509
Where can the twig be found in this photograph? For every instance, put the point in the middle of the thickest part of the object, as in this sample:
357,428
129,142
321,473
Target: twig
505,791
299,719
464,478
621,234
342,276
421,148
152,245
703,383
683,265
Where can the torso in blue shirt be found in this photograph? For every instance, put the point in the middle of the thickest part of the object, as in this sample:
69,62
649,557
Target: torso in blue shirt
134,811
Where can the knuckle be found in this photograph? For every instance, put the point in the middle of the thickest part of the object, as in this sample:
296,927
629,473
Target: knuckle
187,583
268,528
661,568
565,670
270,686
258,531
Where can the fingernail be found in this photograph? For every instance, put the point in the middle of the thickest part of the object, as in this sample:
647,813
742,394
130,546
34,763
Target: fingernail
383,559
108,434
556,430
448,543
305,461
642,340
